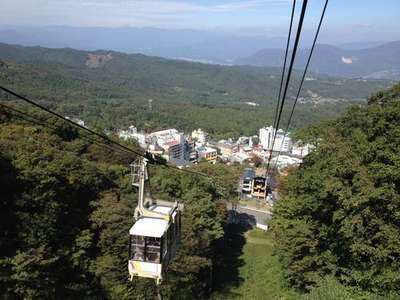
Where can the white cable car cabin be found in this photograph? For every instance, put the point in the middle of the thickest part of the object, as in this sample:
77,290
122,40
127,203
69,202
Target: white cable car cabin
153,243
155,236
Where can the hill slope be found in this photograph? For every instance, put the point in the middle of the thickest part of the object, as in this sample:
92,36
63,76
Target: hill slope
339,211
111,89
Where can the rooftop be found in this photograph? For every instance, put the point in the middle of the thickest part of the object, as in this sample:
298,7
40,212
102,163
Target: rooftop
161,209
165,132
149,227
206,149
249,173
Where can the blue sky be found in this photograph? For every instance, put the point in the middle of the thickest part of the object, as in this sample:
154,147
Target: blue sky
365,19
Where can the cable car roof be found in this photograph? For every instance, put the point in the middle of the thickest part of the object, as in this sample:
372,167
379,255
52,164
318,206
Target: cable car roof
161,209
149,227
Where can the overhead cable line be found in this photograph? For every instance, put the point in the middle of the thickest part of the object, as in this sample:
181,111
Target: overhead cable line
282,78
71,122
284,63
34,120
296,43
152,159
31,119
302,78
23,115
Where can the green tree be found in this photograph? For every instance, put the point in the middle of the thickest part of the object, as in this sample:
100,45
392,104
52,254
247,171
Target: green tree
339,212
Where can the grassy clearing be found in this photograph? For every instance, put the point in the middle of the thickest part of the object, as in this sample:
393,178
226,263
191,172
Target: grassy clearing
259,274
248,269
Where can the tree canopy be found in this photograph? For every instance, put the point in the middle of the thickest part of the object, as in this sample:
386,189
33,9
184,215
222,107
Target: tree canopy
339,212
66,209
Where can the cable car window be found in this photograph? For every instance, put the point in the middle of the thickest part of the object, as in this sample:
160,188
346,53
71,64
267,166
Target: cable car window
153,248
138,247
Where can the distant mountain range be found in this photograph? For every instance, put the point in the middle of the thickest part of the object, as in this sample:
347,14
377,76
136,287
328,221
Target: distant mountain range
379,62
196,45
126,75
371,59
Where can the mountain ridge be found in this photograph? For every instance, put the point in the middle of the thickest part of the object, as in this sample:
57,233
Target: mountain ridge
380,62
208,45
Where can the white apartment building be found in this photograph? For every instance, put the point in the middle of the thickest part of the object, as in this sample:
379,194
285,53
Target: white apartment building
282,143
173,143
199,136
132,133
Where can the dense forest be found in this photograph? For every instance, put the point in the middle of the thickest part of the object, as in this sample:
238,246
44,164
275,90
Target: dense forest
66,209
110,90
339,213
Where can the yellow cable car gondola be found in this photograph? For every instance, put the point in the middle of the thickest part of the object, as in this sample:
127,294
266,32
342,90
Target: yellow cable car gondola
155,236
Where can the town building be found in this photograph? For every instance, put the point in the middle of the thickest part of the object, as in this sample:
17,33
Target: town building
243,140
253,183
284,161
282,143
173,143
165,137
174,152
191,154
199,136
207,153
226,148
247,181
170,144
155,149
239,157
132,133
193,157
259,187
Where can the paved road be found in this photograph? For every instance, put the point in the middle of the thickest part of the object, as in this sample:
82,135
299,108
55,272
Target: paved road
261,216
248,215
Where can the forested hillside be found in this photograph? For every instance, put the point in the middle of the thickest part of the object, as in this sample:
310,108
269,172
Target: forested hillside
339,212
66,208
110,89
